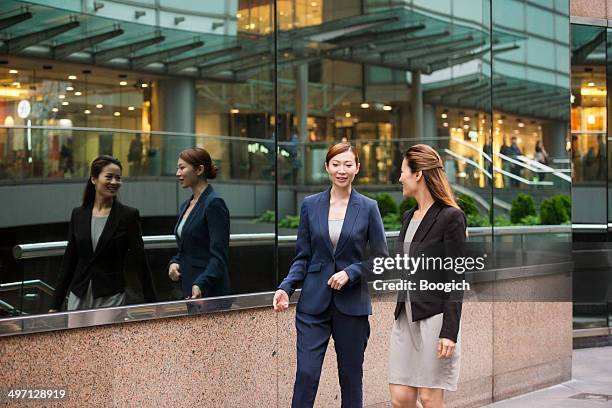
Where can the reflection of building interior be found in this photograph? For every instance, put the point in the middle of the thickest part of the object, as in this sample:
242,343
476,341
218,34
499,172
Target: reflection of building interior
331,87
588,120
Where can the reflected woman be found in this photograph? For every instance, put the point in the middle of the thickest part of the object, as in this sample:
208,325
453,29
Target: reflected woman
103,235
426,340
202,230
331,264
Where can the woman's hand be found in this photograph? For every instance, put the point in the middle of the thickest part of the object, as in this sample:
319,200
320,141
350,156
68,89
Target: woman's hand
338,280
196,292
446,348
174,272
280,302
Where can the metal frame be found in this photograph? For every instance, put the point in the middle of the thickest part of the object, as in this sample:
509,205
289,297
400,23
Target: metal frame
86,318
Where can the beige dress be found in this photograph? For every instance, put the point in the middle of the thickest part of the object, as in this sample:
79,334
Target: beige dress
413,352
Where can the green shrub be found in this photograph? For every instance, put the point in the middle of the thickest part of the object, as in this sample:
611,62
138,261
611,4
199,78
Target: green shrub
522,206
268,216
386,204
290,221
530,220
567,204
392,222
502,221
467,204
407,204
555,210
477,220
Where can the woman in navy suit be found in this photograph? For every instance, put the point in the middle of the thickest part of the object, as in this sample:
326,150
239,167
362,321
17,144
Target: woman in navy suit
331,264
202,230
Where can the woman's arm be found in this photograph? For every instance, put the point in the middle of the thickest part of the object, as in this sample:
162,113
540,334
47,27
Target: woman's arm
297,271
218,220
455,235
378,246
137,252
69,262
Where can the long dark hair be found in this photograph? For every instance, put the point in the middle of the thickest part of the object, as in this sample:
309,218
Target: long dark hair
422,157
99,163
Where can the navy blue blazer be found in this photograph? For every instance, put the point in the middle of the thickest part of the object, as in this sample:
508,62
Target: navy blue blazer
203,246
316,261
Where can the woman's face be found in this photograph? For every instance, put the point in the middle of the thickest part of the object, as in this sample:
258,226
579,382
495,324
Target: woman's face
108,181
342,169
187,174
409,180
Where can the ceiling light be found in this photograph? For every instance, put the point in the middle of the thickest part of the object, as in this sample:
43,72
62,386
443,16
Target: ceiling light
117,113
444,116
54,109
591,84
347,115
13,71
17,84
87,111
387,107
466,118
445,124
466,126
144,85
500,121
234,110
130,108
123,83
99,106
65,103
61,96
72,77
78,93
365,105
69,88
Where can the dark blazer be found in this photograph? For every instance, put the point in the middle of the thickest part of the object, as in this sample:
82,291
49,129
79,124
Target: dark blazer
316,261
441,223
203,246
122,236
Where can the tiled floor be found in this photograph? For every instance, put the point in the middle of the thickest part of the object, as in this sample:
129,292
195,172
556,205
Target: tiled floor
591,383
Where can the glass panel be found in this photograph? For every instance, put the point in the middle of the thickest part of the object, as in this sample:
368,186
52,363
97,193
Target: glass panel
143,103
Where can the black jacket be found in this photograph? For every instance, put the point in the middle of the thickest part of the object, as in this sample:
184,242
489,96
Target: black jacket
441,223
122,235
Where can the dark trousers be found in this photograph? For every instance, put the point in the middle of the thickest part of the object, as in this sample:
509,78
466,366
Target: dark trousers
350,334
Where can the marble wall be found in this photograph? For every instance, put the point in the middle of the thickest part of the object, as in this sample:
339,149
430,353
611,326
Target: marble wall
247,358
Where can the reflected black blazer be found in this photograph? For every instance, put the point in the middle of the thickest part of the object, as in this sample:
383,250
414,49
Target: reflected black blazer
121,241
441,223
204,246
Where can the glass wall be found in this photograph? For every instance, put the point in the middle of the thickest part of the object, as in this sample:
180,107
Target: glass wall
267,87
590,192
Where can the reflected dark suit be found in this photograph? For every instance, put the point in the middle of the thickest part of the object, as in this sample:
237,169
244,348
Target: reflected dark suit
121,239
204,246
322,311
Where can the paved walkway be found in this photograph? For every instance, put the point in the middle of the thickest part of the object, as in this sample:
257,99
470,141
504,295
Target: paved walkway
590,386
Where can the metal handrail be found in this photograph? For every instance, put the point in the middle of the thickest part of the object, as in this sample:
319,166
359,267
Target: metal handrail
57,248
34,283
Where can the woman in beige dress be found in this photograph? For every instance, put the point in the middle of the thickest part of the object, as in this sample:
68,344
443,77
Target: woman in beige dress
426,340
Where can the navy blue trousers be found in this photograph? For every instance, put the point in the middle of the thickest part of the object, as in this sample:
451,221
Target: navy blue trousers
350,334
